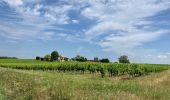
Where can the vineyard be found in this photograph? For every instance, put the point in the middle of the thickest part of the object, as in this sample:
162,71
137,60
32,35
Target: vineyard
27,79
105,69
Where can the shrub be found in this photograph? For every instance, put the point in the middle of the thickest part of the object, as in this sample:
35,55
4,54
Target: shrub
105,60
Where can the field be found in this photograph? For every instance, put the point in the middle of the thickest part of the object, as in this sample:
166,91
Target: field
35,80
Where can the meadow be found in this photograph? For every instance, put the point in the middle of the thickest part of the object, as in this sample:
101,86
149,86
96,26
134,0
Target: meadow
36,80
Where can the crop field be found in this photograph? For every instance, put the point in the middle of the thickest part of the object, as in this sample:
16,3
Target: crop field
105,69
35,80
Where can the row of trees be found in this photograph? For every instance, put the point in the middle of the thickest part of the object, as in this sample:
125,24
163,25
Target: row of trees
122,59
79,58
83,59
55,57
5,57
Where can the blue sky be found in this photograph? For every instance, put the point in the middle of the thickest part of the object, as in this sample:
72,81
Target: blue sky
102,28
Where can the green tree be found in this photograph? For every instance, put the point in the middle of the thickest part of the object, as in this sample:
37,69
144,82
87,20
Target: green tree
38,58
80,58
124,59
47,57
105,60
54,56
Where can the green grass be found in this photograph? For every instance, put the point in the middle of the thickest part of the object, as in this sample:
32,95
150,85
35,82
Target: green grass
53,84
2,93
49,85
105,69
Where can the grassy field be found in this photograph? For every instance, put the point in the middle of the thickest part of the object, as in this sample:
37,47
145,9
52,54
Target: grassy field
44,85
53,85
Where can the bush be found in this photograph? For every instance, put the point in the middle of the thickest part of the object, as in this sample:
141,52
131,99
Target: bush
103,72
38,58
105,60
80,58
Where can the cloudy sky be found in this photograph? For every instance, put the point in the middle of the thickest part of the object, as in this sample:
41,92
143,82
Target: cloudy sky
102,28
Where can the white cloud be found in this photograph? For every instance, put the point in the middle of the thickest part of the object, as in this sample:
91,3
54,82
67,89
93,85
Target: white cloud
34,20
168,53
162,56
117,22
148,56
14,2
58,14
114,22
116,19
75,21
18,31
127,41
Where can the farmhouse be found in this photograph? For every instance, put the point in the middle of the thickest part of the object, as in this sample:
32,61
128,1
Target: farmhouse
62,58
96,59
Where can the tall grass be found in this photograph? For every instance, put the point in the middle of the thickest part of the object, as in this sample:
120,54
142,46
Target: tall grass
49,85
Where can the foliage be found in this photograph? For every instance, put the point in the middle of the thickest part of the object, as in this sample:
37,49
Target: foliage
5,57
38,58
47,57
105,60
103,71
111,69
124,59
54,55
66,59
80,58
42,59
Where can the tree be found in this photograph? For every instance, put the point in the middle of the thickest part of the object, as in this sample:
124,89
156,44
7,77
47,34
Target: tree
47,57
66,59
80,58
54,56
42,59
38,58
105,60
124,59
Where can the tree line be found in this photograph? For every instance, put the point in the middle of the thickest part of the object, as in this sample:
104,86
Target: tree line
5,57
54,56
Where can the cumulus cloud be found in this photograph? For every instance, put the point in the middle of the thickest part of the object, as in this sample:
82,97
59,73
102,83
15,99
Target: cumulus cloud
116,19
117,22
161,58
120,26
14,2
31,19
75,21
23,32
127,41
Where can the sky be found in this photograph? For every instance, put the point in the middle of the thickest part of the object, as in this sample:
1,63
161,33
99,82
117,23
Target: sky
139,29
